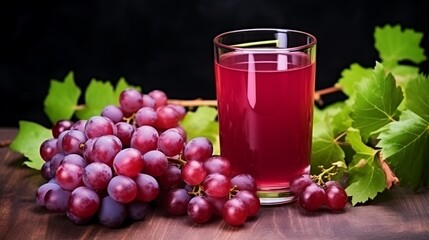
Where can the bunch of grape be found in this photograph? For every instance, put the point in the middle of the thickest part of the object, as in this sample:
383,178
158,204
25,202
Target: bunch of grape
113,166
314,194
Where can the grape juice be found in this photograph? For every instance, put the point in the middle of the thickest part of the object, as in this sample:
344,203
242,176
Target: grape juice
265,107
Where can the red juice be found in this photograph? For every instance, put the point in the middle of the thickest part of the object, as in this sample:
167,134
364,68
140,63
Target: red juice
265,107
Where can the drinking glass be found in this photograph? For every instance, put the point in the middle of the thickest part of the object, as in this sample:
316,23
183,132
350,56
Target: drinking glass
265,82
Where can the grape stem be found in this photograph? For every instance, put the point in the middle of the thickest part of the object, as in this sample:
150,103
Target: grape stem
326,173
177,161
391,179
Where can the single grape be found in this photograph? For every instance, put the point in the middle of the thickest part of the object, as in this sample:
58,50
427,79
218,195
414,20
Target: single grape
218,164
83,202
112,112
171,177
179,109
112,213
60,126
155,163
216,185
312,197
299,183
234,212
176,201
148,101
56,200
79,125
193,172
137,210
48,149
98,126
251,200
105,149
244,181
166,117
45,171
128,162
146,116
73,141
87,150
130,100
144,139
159,97
42,190
69,176
122,189
147,187
124,133
199,209
336,197
97,176
199,148
181,131
170,142
76,159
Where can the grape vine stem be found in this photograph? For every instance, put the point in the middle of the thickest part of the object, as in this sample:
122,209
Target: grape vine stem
213,103
391,179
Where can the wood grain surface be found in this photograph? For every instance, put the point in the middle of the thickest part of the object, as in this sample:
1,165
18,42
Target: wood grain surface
395,214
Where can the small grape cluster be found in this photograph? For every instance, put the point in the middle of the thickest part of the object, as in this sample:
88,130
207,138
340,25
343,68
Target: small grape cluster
115,166
314,193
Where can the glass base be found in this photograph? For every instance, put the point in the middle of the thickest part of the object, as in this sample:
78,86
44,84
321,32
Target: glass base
275,197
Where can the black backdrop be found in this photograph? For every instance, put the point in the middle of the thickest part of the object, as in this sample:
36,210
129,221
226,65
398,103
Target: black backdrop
167,45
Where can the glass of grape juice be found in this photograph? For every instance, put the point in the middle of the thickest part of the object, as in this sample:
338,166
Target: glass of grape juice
265,83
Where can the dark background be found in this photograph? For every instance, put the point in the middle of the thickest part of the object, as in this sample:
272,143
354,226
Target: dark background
167,45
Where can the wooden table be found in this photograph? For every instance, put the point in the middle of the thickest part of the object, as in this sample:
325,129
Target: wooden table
396,214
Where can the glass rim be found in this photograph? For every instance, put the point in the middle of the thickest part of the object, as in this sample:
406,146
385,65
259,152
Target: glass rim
312,43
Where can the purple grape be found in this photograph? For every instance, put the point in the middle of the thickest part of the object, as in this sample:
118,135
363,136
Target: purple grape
98,126
144,139
146,116
199,209
112,214
83,203
112,112
176,201
128,162
130,100
48,149
155,163
170,142
60,126
147,187
124,133
199,148
97,176
122,189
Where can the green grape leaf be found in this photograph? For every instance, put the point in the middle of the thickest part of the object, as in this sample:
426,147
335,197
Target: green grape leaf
351,76
28,141
97,95
62,99
404,73
202,123
339,115
404,144
395,44
366,177
417,97
325,148
375,102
